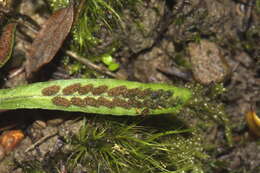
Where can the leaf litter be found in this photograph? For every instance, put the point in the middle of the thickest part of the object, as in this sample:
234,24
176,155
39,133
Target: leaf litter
49,39
6,43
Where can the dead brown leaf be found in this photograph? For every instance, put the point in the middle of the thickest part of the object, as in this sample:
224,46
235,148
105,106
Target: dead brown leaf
6,43
49,39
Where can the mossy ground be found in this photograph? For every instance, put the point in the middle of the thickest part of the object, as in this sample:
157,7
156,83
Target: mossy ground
120,145
196,140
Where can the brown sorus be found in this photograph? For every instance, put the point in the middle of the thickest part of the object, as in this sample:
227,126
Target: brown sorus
121,103
102,101
155,94
85,89
133,92
71,89
147,91
77,101
117,91
150,104
135,103
51,90
161,103
90,101
61,101
99,90
144,93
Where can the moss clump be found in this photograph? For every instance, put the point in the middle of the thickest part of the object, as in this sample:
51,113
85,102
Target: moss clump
93,16
207,111
104,145
121,147
95,21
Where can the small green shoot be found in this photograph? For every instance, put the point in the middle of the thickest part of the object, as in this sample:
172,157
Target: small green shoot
109,61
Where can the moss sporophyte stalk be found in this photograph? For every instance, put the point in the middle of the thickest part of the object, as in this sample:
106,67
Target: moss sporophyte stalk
101,96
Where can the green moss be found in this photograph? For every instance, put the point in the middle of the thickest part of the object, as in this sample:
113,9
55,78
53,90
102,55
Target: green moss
258,6
95,17
207,110
115,145
57,4
120,147
31,166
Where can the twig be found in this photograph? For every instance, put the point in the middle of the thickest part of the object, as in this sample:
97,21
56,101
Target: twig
40,141
92,65
174,71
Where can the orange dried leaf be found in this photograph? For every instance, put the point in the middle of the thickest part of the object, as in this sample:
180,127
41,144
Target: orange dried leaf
11,139
6,43
253,122
49,39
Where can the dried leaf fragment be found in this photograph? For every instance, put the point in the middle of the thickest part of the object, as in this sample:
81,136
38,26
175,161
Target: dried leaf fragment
11,139
7,43
49,39
253,122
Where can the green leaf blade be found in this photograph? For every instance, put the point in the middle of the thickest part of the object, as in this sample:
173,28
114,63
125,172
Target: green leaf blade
133,100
